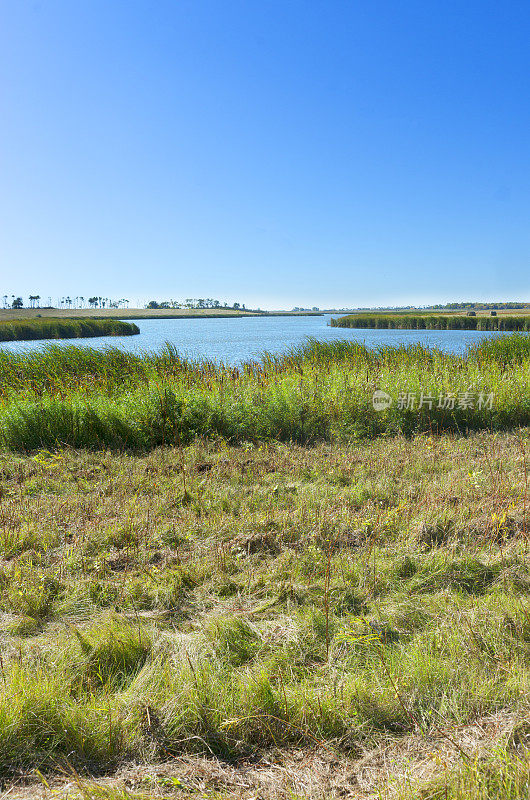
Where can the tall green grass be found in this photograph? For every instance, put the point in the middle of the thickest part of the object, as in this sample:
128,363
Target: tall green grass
433,322
49,328
319,391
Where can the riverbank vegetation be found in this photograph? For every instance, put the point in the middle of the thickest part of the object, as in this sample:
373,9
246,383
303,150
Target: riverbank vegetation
271,620
84,397
247,580
50,328
437,322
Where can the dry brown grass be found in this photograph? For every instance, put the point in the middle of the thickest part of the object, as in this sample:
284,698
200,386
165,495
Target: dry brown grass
118,313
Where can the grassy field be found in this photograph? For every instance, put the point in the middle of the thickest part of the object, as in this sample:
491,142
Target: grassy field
221,582
429,321
25,330
272,621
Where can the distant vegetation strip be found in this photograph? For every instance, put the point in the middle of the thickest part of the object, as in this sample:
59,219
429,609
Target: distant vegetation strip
49,328
433,322
323,391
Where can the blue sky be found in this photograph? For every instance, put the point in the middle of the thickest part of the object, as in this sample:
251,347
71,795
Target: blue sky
302,152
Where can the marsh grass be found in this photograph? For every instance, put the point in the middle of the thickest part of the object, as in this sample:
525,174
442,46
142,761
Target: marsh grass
87,398
48,328
438,322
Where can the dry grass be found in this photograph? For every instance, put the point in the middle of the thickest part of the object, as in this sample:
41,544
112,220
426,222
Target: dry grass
137,313
267,621
115,313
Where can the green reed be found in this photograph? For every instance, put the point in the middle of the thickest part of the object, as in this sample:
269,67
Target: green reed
433,322
84,397
51,328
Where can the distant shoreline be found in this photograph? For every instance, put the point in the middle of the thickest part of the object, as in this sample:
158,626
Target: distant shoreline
143,313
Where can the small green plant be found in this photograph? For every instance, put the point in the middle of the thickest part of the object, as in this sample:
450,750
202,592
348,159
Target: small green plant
234,640
109,654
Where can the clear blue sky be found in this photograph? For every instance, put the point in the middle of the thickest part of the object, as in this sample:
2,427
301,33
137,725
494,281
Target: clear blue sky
275,152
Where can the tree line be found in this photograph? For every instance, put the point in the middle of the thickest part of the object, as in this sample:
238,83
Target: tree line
34,301
192,303
479,306
96,301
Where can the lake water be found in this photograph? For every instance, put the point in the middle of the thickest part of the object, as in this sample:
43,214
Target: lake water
237,339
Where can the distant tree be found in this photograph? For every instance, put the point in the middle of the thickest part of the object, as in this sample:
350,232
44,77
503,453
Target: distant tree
152,304
236,305
17,303
93,301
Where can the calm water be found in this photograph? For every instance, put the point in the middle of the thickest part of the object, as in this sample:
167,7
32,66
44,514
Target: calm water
238,339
